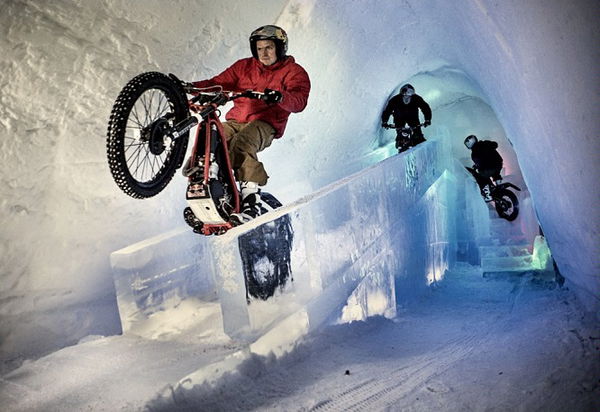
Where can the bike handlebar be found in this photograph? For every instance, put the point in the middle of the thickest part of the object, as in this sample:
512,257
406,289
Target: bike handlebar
391,126
220,97
251,94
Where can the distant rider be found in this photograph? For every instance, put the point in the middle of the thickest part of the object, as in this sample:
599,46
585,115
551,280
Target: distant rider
252,124
404,108
487,163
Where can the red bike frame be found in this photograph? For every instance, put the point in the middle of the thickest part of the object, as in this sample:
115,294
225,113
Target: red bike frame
206,124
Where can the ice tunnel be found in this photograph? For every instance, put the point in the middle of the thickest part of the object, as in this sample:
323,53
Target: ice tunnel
524,74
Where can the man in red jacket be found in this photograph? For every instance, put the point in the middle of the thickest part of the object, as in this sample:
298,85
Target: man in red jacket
252,124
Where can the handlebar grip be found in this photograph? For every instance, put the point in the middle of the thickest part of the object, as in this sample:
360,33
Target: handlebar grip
251,94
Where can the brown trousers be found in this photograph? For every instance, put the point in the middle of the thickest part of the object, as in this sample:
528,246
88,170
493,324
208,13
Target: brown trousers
245,140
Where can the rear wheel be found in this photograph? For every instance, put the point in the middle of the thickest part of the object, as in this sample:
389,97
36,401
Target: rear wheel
507,204
141,160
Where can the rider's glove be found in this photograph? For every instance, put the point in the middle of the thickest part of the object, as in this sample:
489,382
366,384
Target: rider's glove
427,123
272,96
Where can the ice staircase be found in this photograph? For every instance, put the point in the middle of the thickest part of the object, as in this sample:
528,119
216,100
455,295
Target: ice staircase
506,249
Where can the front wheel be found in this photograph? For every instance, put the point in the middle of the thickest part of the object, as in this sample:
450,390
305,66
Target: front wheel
507,204
141,160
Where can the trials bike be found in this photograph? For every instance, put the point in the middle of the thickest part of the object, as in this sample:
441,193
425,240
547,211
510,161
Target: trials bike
147,140
505,201
405,139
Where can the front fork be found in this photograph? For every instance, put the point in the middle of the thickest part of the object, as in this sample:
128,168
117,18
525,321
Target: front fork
183,127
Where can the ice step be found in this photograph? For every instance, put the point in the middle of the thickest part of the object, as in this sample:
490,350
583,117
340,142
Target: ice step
503,223
503,251
500,241
504,228
502,264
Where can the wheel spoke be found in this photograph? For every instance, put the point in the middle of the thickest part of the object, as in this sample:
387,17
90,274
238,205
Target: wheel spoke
164,105
144,108
150,102
143,161
135,154
135,119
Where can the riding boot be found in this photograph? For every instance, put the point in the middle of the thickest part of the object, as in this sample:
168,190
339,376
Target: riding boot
251,206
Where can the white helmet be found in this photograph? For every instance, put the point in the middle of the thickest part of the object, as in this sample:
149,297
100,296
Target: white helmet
407,90
470,141
270,32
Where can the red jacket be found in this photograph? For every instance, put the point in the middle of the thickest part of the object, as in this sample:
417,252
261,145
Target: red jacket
286,76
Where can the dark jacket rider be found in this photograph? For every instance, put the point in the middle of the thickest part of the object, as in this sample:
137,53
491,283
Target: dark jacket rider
486,161
404,108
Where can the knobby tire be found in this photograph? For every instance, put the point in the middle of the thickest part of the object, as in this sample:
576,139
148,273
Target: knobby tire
142,167
502,199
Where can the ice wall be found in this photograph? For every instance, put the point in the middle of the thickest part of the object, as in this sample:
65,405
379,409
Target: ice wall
63,63
152,275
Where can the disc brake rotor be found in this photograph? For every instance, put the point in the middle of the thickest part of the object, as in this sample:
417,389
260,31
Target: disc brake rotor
156,141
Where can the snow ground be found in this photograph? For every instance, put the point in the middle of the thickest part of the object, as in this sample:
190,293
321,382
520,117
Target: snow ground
515,343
